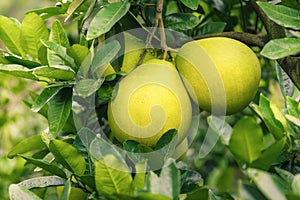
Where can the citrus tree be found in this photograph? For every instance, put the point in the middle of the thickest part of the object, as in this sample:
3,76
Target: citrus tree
157,99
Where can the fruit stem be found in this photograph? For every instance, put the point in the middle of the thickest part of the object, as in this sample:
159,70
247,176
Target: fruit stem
158,23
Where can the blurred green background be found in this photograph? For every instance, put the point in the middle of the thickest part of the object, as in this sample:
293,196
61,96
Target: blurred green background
16,120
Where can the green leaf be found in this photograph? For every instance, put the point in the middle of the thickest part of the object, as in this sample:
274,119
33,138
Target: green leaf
28,144
61,52
112,176
138,182
280,48
18,71
73,6
285,82
46,95
201,193
53,169
192,4
223,129
66,191
249,192
100,148
272,117
190,180
33,29
87,87
41,182
293,107
150,196
106,18
58,72
104,55
282,15
86,136
166,139
246,140
287,176
269,155
294,120
17,192
58,36
270,185
181,21
48,12
211,28
26,63
10,35
296,184
168,184
78,53
59,109
68,156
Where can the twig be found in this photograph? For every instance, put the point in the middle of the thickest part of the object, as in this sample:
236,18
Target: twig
158,24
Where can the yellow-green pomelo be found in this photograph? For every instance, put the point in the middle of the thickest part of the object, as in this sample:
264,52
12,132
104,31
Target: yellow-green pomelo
134,47
149,101
221,74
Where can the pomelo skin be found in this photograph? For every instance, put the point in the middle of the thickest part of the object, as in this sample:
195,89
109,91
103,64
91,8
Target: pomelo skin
221,74
149,101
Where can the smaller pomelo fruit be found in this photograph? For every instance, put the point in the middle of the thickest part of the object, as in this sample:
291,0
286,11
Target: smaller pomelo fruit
221,74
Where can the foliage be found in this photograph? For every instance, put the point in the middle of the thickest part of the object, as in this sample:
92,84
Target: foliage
256,155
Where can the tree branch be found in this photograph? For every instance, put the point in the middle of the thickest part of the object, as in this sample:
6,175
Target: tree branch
247,38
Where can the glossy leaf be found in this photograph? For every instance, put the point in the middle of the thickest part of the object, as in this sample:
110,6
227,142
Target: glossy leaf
105,55
106,18
270,185
53,169
68,156
17,192
167,139
272,117
293,107
138,182
296,184
280,48
10,35
282,15
32,33
78,53
286,84
47,12
59,109
269,155
57,35
211,28
72,8
87,87
26,63
66,191
223,129
18,70
192,4
250,191
168,184
190,180
46,95
61,52
246,140
287,176
55,72
28,144
181,21
112,176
